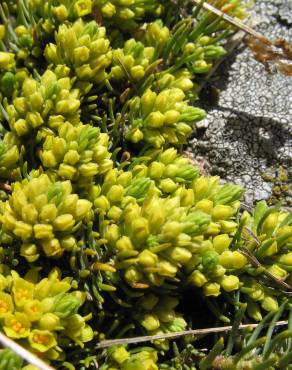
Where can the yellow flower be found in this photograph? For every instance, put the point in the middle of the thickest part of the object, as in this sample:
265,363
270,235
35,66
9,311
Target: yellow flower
33,309
51,286
83,7
16,326
6,304
42,340
22,290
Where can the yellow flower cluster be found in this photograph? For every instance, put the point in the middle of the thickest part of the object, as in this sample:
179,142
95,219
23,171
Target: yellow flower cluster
40,314
78,153
45,102
44,215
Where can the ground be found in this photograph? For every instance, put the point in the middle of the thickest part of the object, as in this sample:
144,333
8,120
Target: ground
247,135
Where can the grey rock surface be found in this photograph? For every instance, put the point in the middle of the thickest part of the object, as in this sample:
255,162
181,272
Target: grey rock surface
248,133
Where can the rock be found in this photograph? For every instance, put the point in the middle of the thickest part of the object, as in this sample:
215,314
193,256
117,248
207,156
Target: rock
249,132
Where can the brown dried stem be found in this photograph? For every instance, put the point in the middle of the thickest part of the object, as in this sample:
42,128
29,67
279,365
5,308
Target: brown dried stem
198,332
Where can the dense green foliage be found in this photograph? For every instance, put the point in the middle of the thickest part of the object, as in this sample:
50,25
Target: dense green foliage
106,229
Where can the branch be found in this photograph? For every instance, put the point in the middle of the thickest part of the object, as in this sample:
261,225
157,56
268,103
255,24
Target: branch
149,338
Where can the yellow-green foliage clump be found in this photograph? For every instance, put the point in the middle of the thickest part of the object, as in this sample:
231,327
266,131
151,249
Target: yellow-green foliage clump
41,315
43,216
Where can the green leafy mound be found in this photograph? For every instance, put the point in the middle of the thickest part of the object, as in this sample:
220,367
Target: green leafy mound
107,230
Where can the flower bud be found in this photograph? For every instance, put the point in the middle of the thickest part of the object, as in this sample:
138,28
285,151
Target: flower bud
272,249
66,305
140,228
171,170
132,275
81,55
48,213
210,259
213,228
187,198
102,203
277,271
229,283
150,322
228,227
239,260
205,205
135,135
270,304
21,128
229,259
112,234
270,224
155,170
29,213
166,268
115,194
120,355
181,255
8,83
155,120
285,230
83,206
147,102
203,185
124,243
68,243
165,315
217,272
60,12
49,321
64,222
183,240
43,231
197,278
6,60
286,259
52,247
34,119
29,252
71,157
221,243
167,185
171,117
108,10
221,212
22,230
211,289
48,159
171,230
114,213
137,72
168,156
147,258
185,84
